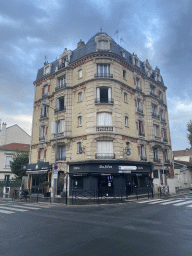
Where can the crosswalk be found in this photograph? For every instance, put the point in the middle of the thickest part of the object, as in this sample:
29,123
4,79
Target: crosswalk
10,208
187,202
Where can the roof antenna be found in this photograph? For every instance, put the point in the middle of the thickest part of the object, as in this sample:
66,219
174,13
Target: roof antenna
45,59
100,29
117,32
122,40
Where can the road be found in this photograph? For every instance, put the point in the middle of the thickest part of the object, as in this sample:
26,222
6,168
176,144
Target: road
154,227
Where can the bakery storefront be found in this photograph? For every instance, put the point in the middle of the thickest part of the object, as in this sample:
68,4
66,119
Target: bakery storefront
106,178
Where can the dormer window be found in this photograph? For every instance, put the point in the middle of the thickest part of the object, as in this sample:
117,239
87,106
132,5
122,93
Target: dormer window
124,74
135,60
47,68
103,42
80,74
138,84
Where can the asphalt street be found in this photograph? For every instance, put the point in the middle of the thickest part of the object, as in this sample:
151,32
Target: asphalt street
149,227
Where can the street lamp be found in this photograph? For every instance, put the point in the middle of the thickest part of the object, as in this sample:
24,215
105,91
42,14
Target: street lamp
54,179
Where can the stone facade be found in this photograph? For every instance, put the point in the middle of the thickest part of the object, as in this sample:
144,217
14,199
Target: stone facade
102,80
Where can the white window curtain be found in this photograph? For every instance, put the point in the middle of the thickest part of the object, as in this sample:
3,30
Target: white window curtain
46,90
57,104
42,131
105,147
61,125
42,154
98,93
104,119
109,93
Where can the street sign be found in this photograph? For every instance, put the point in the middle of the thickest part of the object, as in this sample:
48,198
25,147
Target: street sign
55,167
55,175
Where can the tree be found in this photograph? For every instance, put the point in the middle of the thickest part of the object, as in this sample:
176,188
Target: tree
189,129
20,158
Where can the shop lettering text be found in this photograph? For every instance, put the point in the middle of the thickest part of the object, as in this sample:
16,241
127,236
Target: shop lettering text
105,166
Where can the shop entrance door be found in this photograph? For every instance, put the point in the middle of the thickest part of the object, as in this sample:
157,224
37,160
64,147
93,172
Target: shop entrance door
105,185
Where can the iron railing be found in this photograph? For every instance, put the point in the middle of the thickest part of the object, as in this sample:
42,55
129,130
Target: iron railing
104,128
60,109
104,100
59,87
103,75
155,115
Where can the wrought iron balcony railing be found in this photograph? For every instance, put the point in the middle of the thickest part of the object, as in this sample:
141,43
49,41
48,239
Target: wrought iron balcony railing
60,109
104,128
155,115
103,75
143,158
61,158
59,87
156,159
163,119
167,161
104,156
42,137
153,94
44,115
140,110
165,140
104,100
142,134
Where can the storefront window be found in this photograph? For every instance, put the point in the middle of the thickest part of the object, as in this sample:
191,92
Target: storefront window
77,182
155,174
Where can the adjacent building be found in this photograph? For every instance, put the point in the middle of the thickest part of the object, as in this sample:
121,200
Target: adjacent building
101,114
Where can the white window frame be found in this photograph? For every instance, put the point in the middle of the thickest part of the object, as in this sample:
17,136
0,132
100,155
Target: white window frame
41,155
104,119
126,121
138,83
80,98
80,73
7,161
58,103
79,120
125,97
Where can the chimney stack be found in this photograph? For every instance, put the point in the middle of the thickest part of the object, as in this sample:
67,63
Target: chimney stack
80,44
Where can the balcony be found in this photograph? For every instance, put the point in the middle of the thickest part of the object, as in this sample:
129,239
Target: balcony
61,159
138,89
156,160
153,94
43,116
41,138
45,95
139,110
103,75
104,101
167,161
59,87
59,135
141,134
143,158
61,66
165,140
163,119
104,156
60,109
104,128
155,115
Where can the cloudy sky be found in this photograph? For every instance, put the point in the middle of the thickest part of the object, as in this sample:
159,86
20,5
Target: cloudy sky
159,31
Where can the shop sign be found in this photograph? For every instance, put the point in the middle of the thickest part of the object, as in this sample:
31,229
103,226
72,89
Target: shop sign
105,174
105,166
127,168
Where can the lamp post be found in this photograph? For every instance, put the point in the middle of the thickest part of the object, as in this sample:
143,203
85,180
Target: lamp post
54,179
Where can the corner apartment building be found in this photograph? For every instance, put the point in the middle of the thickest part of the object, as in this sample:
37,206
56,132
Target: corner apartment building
113,126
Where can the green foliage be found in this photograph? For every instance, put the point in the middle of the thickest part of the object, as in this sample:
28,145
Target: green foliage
189,129
20,158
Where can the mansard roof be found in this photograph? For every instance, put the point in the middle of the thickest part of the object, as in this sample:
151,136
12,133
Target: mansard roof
90,47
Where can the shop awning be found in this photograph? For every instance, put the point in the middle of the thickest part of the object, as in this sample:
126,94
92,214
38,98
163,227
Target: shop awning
37,168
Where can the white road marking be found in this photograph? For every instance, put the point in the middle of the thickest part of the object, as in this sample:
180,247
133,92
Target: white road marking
40,206
26,207
142,202
6,212
189,205
162,201
14,209
186,202
172,202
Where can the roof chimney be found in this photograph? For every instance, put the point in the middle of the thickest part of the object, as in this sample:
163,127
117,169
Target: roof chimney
81,43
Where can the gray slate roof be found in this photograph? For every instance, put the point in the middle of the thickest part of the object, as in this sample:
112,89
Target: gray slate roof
90,47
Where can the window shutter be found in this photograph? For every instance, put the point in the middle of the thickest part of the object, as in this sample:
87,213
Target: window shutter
165,134
43,91
46,130
47,108
45,153
135,103
38,154
145,151
139,150
49,88
109,93
137,125
142,127
53,127
57,104
41,111
140,84
98,93
62,125
134,80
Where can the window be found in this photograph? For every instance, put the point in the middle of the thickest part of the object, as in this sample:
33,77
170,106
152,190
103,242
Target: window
124,74
104,95
104,150
80,96
160,95
154,110
41,156
61,104
45,90
126,121
141,128
139,106
61,153
44,111
103,70
138,84
77,182
79,120
156,130
162,113
61,82
104,119
142,148
46,70
166,154
80,73
155,154
155,174
125,97
123,54
61,126
7,178
152,89
79,148
8,159
42,132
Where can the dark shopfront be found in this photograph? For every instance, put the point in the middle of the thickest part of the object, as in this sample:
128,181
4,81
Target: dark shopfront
107,178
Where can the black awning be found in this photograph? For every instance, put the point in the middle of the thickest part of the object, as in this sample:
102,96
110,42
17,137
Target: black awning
37,166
